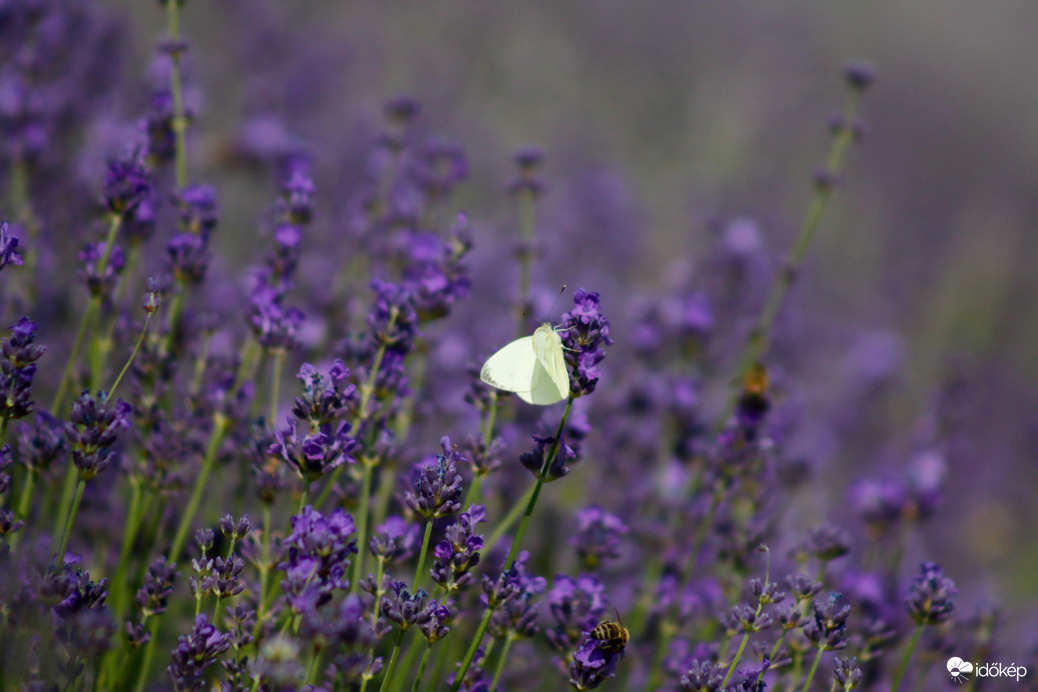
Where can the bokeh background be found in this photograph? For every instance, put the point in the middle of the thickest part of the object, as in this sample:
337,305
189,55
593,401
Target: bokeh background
664,121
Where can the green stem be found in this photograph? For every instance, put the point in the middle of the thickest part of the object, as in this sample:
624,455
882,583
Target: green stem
759,339
380,571
667,633
104,345
119,592
137,346
422,554
25,500
905,659
814,667
421,669
514,550
203,357
509,519
88,318
774,653
471,653
70,517
527,229
474,493
311,668
738,655
220,425
392,662
264,569
149,653
501,661
275,383
362,521
441,661
176,306
176,90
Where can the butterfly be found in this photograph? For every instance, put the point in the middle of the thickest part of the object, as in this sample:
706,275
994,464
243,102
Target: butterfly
533,367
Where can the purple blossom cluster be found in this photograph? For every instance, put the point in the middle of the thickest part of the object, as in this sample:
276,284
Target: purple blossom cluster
679,522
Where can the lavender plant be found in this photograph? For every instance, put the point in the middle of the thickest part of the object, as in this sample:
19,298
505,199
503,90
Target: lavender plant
389,520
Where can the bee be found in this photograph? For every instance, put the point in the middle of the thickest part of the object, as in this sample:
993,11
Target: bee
756,382
613,635
754,401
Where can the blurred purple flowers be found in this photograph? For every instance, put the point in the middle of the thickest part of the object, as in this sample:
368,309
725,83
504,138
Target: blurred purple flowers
345,257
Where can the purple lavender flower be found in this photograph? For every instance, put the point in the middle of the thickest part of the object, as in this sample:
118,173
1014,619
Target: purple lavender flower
153,596
703,676
847,673
233,530
517,616
317,558
157,126
392,319
188,257
476,679
577,606
483,458
196,205
860,75
92,429
826,629
585,334
8,522
533,460
440,166
401,111
592,665
528,182
325,398
438,487
127,184
18,356
268,468
744,619
438,625
8,247
434,271
394,540
194,653
407,609
82,622
296,205
316,454
100,281
275,326
930,597
138,226
598,536
458,552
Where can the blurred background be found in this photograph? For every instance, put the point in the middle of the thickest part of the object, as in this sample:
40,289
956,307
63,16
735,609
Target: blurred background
663,122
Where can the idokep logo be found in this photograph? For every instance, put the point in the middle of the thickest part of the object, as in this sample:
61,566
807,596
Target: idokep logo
960,671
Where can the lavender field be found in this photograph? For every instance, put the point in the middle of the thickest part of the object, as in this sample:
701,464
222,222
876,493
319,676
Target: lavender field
257,258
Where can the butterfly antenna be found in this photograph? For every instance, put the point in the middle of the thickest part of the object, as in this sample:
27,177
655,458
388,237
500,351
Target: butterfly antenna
561,291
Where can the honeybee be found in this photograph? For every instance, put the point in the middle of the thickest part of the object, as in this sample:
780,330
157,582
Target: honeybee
754,400
756,382
613,635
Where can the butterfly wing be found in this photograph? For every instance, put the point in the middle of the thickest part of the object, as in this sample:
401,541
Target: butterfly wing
512,368
550,377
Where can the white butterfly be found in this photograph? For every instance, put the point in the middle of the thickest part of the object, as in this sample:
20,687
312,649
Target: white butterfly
533,367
